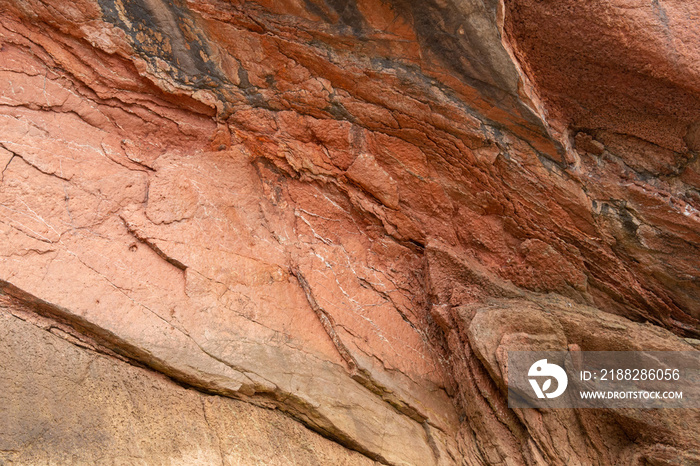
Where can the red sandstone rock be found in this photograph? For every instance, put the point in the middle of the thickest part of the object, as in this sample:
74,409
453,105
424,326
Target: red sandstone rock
346,212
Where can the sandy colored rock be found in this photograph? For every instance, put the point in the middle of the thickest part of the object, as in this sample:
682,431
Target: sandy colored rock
69,404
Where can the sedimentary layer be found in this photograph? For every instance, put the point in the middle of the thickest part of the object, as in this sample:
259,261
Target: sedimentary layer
307,230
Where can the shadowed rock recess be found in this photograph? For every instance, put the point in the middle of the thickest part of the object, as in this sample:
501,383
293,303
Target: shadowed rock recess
303,231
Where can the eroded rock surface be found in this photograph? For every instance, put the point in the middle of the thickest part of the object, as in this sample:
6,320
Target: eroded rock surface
345,212
68,404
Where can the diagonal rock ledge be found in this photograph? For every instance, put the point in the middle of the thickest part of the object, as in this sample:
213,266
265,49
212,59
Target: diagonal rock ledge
130,412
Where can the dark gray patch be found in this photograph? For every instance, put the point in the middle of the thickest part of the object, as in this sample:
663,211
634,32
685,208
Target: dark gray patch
464,36
339,112
628,221
165,30
250,92
317,10
349,15
660,11
443,28
617,210
692,137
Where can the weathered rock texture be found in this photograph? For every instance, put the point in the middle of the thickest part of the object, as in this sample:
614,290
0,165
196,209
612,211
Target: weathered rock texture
342,211
87,408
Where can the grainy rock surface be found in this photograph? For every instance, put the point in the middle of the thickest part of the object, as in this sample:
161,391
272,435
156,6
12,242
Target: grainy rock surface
68,404
325,220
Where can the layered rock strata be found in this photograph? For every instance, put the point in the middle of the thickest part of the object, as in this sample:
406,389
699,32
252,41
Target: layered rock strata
325,221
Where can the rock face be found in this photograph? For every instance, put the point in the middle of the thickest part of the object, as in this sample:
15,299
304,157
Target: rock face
323,220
